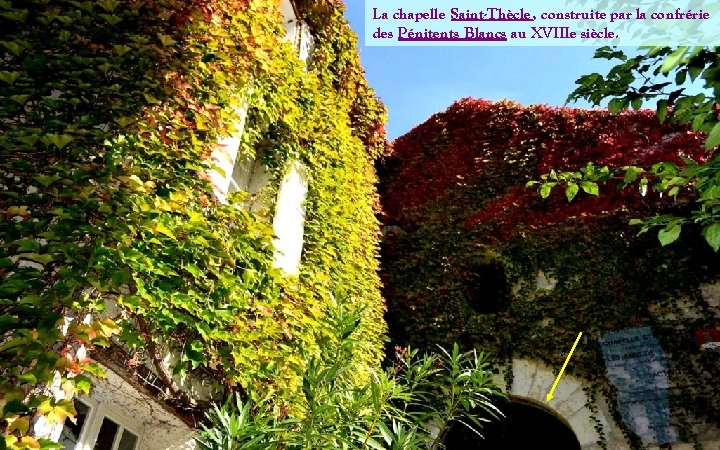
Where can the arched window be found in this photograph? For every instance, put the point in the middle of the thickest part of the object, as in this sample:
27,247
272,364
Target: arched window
486,288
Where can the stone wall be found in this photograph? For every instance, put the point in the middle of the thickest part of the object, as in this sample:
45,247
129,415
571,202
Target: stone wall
532,381
118,400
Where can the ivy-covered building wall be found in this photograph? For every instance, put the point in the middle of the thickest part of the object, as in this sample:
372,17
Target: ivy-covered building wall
470,254
111,234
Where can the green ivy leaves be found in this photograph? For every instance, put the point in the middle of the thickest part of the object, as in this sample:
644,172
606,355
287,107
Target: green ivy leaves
711,233
670,233
111,110
9,77
573,182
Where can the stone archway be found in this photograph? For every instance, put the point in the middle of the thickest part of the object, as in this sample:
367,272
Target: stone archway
532,381
526,425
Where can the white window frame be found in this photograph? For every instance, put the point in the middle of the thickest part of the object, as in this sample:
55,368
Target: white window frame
243,173
225,156
297,32
289,219
250,175
93,422
290,21
306,43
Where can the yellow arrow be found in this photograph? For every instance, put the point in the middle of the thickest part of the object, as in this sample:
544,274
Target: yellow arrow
549,395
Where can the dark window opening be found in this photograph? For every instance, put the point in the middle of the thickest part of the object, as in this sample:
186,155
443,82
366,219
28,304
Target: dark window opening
106,437
71,431
487,289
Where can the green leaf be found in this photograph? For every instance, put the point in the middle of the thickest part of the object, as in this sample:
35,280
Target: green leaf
662,109
712,235
166,40
42,259
13,47
121,276
616,105
385,432
665,168
122,49
8,323
29,140
698,122
673,59
108,5
571,190
713,139
694,71
680,77
47,444
46,180
111,18
59,140
28,245
669,234
17,16
710,192
631,174
193,269
14,407
590,187
82,384
20,99
545,189
9,77
194,353
161,228
28,378
372,443
150,99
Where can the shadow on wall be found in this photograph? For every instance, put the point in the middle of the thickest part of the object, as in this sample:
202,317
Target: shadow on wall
527,425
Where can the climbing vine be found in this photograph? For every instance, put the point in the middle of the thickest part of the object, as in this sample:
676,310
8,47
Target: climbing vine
472,255
109,234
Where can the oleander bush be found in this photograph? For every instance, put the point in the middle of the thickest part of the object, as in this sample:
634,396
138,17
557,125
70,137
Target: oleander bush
410,405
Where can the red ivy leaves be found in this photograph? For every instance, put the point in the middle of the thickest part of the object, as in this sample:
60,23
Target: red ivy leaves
484,153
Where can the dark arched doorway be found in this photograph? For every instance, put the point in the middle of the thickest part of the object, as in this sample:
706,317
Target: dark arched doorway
526,425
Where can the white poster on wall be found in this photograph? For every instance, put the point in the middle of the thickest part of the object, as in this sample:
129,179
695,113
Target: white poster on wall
637,366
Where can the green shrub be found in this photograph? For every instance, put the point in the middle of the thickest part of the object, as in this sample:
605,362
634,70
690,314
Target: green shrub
409,405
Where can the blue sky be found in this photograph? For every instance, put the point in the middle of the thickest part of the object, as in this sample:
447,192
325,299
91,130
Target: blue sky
415,82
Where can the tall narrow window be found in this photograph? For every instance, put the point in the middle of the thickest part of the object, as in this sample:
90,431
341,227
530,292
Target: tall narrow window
225,156
297,32
305,42
289,220
289,20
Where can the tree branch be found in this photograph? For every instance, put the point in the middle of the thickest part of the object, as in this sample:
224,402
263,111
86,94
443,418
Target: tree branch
156,356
